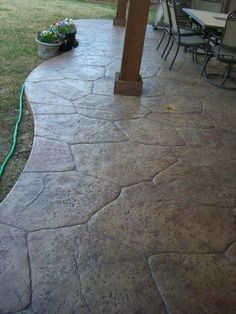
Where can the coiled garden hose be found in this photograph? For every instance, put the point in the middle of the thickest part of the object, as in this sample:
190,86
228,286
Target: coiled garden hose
14,137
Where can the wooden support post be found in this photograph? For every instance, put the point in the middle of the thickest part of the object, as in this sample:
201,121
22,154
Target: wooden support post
120,19
129,81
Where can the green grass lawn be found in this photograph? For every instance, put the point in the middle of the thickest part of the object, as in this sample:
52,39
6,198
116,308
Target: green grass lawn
20,20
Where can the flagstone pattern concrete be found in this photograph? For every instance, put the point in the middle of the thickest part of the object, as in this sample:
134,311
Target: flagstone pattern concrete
127,204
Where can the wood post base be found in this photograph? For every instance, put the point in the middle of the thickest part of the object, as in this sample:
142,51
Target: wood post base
129,88
119,22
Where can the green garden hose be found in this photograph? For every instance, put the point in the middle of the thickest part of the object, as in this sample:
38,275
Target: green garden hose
14,137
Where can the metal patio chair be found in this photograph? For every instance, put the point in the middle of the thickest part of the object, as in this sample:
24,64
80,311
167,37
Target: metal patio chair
158,22
194,41
167,27
183,19
225,53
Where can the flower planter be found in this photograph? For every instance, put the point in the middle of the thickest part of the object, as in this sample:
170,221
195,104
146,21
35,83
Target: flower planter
47,51
69,42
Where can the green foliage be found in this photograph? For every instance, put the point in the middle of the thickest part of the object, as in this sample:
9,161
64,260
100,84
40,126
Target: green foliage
50,36
66,26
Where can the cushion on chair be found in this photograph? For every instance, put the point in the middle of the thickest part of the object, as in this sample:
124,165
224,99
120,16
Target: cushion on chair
191,41
185,32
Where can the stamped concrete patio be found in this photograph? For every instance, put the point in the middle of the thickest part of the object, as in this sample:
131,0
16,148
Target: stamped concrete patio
127,204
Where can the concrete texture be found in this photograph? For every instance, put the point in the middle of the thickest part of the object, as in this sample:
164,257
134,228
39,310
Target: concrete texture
127,204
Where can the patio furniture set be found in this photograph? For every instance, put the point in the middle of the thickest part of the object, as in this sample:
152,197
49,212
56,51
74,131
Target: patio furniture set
207,29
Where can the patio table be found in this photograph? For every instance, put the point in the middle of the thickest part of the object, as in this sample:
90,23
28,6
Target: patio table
208,20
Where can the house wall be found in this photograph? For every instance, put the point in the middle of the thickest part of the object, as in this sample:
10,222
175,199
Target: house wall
114,1
233,5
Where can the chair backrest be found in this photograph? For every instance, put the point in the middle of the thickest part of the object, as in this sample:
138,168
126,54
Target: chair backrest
173,16
229,35
183,19
166,13
159,17
208,5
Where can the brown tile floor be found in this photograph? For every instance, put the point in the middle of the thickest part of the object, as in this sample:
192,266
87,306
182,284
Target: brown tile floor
126,205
